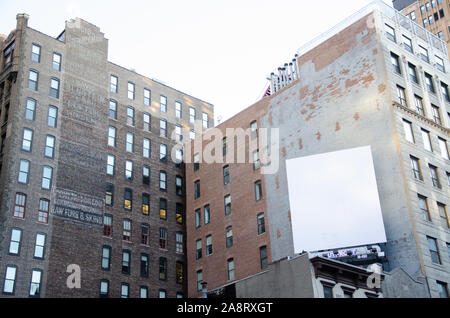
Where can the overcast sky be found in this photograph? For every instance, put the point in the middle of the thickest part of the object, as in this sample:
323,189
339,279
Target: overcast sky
218,51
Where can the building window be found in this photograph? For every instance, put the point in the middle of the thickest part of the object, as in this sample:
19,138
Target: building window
24,169
196,189
52,118
413,73
106,258
147,122
114,82
395,63
56,62
256,161
179,158
226,175
224,146
258,191
424,54
163,128
440,64
207,210
163,239
163,104
126,233
196,162
27,139
146,175
426,140
178,133
198,218
107,226
44,208
229,237
263,257
443,147
124,290
19,206
47,173
435,177
162,293
401,96
147,97
112,109
35,285
443,212
178,110
10,280
54,88
145,203
33,78
49,150
128,199
179,243
163,180
130,116
199,280
429,83
419,105
327,291
145,235
231,270
35,53
130,142
143,292
163,209
30,109
162,269
104,288
162,153
179,213
205,120
180,273
198,249
14,243
131,88
146,148
390,32
444,90
192,115
261,224
112,136
126,257
110,165
209,248
434,252
129,170
415,165
227,202
435,112
254,129
407,44
442,289
8,55
39,246
409,135
179,185
144,265
423,204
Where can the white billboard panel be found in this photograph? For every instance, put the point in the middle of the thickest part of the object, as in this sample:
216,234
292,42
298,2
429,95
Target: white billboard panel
334,201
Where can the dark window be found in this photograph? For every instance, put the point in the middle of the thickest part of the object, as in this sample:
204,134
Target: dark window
198,249
395,63
126,261
198,218
146,175
144,265
434,252
423,203
229,237
263,257
109,198
327,291
227,202
179,185
209,247
261,224
258,191
145,234
197,189
207,214
162,268
226,175
107,226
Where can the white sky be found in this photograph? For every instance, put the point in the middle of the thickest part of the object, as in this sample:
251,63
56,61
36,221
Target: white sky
218,51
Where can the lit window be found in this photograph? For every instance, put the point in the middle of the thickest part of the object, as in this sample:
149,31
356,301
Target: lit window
180,273
145,204
179,213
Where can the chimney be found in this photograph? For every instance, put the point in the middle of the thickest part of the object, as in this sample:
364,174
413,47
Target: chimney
22,20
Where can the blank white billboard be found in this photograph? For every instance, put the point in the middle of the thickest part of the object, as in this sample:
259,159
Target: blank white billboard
334,201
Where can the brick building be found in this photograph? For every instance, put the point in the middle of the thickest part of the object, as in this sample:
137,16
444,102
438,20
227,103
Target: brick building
433,15
359,84
87,177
